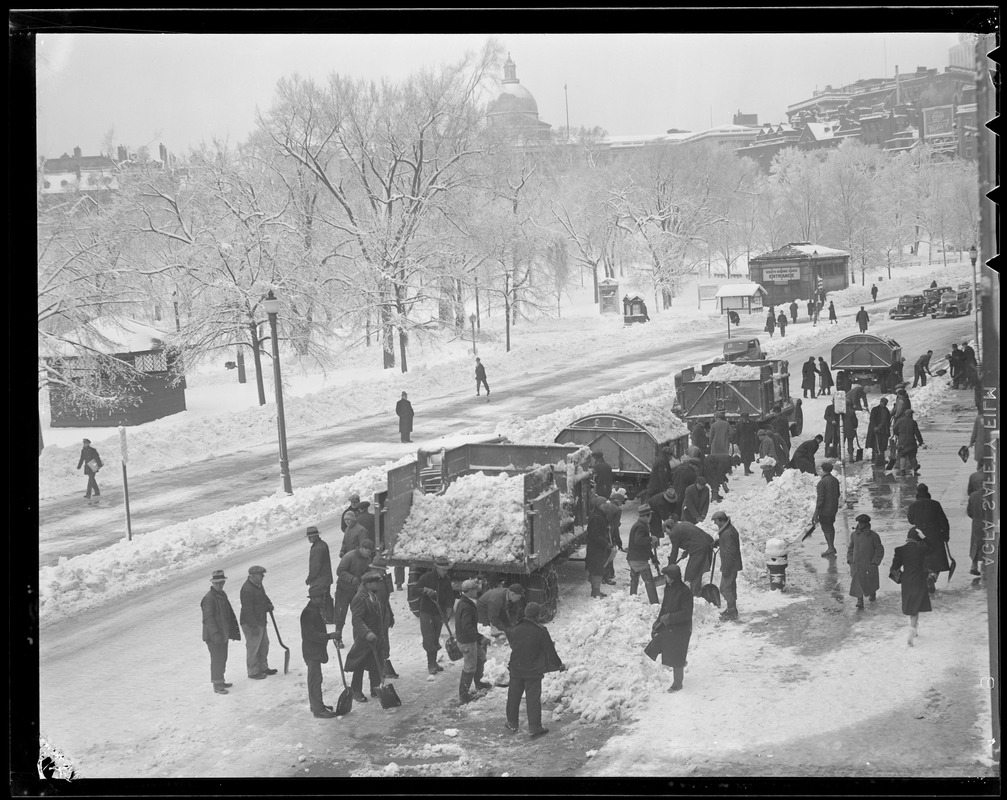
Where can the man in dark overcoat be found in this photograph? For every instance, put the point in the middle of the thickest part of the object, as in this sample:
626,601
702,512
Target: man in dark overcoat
781,425
825,377
602,475
683,477
353,508
793,311
365,519
909,560
770,324
91,461
370,637
782,322
673,628
698,544
863,318
827,506
255,604
663,507
320,572
804,455
700,437
661,471
219,627
928,515
808,373
385,590
748,441
404,410
729,544
696,502
352,567
907,439
533,654
314,649
864,556
879,431
354,534
599,545
437,600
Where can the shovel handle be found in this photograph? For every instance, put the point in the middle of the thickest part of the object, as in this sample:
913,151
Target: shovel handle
379,662
278,639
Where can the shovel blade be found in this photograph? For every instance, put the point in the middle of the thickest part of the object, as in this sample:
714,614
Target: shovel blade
388,697
890,465
711,594
286,661
809,531
453,650
345,703
951,571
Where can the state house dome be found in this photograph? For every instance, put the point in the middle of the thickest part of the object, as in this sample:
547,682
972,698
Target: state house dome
515,106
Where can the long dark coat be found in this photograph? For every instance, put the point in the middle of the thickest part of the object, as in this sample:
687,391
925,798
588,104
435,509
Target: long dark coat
832,311
770,324
908,436
781,425
782,322
405,411
911,557
720,437
863,318
700,437
674,627
599,543
716,469
748,441
975,512
793,311
660,475
730,549
368,617
697,543
831,431
255,604
827,496
602,478
804,457
532,652
683,477
864,556
879,428
314,637
928,515
662,510
87,454
219,622
319,565
808,373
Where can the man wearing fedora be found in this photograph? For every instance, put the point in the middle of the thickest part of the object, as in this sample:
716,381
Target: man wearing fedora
320,573
254,607
864,556
91,461
729,544
219,627
664,506
437,600
314,649
380,566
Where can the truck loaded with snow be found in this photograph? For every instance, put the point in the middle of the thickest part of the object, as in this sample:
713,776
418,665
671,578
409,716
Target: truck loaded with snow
864,358
755,387
499,512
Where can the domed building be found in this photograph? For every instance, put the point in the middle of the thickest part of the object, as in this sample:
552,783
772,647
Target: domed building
515,108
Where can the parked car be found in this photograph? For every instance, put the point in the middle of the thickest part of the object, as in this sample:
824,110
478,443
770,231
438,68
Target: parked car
909,306
743,349
933,298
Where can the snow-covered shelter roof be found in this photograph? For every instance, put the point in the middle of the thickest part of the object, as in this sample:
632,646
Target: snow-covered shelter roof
114,335
740,290
800,250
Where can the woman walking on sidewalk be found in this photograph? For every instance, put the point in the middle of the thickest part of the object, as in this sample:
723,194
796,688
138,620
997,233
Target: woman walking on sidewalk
910,558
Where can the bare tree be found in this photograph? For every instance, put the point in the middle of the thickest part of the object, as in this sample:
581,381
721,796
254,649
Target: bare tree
800,178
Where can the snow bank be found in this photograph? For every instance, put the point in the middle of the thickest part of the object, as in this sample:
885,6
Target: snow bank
910,280
91,579
649,404
480,518
731,372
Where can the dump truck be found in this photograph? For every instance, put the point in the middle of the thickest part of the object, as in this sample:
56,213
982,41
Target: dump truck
701,394
863,358
546,530
908,307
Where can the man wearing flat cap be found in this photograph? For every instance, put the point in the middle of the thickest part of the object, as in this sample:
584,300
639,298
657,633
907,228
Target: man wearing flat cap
352,508
370,637
533,654
314,649
730,562
355,533
91,462
437,600
384,592
864,556
470,642
501,607
351,569
320,571
639,551
254,607
219,627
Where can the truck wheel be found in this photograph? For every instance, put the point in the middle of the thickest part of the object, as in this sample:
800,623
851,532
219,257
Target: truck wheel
411,593
543,588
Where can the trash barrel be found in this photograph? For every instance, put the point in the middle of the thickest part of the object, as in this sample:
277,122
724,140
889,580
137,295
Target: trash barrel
776,563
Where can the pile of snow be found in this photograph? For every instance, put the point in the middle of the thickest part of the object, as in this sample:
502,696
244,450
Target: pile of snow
796,338
480,518
731,372
82,582
649,404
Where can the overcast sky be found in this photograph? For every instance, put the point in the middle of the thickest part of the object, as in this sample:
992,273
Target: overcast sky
183,89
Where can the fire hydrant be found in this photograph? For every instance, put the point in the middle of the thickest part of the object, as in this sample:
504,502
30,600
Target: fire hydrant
776,561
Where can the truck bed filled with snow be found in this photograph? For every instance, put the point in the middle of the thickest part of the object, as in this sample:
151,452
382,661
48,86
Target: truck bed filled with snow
479,519
731,372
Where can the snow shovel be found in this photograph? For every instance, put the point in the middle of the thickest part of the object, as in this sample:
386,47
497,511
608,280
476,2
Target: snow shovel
951,561
345,702
859,456
940,373
286,650
711,593
387,695
451,644
809,531
963,454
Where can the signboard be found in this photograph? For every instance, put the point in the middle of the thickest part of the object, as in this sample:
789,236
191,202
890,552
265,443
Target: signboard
708,291
938,121
781,274
608,295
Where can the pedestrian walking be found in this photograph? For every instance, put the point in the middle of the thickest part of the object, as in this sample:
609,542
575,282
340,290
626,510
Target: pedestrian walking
874,293
921,369
720,435
782,322
818,313
862,319
811,310
255,604
793,311
472,643
602,474
437,600
827,507
879,431
729,544
832,313
770,324
975,512
352,509
599,546
404,410
700,437
640,551
825,377
673,628
808,373
320,573
314,649
354,534
91,462
908,559
697,501
928,516
370,637
533,654
501,607
481,378
351,570
907,442
864,556
747,440
804,455
219,627
698,544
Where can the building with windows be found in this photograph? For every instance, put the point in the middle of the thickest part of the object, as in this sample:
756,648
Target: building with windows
515,111
799,271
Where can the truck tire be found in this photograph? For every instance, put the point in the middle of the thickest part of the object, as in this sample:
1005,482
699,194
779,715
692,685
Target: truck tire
411,593
543,588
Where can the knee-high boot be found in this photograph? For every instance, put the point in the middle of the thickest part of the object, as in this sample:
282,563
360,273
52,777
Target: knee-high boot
634,581
463,687
679,675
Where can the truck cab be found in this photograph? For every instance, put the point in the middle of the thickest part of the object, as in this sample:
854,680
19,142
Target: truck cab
909,306
743,350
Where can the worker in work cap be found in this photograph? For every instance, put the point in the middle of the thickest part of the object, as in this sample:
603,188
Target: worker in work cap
533,611
469,584
372,577
863,518
256,570
597,501
516,588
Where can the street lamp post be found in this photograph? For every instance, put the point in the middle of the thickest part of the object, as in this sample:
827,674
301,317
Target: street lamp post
472,319
974,255
272,307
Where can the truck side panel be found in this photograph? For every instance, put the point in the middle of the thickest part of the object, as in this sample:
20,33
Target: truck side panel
401,483
542,523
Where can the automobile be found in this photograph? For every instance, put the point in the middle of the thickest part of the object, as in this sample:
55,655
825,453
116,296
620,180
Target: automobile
909,306
933,297
951,306
743,350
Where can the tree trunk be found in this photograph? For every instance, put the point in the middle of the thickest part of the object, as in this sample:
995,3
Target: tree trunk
241,366
402,349
594,280
506,295
479,323
254,330
387,339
